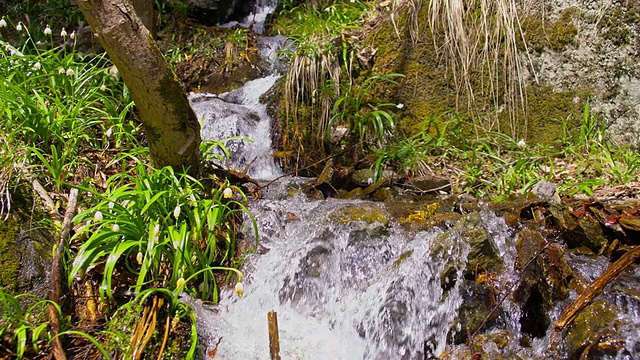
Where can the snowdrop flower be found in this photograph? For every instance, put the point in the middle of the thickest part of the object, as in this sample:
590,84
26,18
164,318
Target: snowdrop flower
521,144
63,33
70,72
239,289
111,204
400,106
139,258
73,35
176,212
227,193
98,216
103,87
47,30
37,66
19,26
3,23
156,231
14,51
109,132
61,71
115,227
180,283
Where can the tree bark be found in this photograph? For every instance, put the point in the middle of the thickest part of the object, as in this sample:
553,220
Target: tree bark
172,129
144,9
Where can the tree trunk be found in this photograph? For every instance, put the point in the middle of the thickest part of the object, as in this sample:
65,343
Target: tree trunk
144,9
172,128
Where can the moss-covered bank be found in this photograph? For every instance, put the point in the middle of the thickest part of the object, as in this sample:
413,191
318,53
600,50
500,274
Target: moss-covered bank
9,258
429,89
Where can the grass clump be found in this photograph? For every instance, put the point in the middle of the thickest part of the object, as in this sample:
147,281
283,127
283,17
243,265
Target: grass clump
322,55
494,165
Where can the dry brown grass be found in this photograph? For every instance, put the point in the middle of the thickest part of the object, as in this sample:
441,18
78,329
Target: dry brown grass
307,76
481,37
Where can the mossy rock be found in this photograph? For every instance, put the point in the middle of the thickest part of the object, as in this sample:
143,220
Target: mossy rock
483,255
9,257
430,96
592,320
369,215
557,35
423,215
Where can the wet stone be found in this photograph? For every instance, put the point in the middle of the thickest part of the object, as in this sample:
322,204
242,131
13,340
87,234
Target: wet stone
364,177
428,184
595,318
588,232
483,255
478,301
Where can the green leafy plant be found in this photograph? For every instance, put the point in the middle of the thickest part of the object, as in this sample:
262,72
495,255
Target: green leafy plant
355,110
317,63
27,327
162,226
62,108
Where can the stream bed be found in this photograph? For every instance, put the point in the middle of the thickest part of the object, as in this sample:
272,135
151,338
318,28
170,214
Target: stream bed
408,277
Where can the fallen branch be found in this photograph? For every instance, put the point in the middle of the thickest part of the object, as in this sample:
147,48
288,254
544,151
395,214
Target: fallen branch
55,284
571,312
48,203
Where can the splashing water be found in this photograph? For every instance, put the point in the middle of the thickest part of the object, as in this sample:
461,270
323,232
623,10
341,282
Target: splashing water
342,289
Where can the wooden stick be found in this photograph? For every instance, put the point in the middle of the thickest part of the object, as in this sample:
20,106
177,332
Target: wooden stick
274,337
48,203
55,285
571,312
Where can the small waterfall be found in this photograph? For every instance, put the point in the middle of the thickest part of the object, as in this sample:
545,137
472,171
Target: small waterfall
256,19
342,288
238,117
239,114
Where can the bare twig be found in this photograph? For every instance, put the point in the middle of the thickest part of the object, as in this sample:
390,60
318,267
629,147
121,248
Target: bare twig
55,285
571,312
46,199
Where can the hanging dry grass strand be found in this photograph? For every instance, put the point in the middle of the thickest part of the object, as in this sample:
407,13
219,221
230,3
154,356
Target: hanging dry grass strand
487,43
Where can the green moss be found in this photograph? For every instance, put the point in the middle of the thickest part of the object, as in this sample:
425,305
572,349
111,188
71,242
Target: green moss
557,35
367,214
620,22
9,259
428,91
546,110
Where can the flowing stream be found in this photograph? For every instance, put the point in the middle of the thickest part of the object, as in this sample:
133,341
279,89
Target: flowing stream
346,278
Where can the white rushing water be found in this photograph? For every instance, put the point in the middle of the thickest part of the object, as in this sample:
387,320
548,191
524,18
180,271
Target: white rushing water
239,113
342,289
